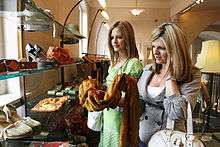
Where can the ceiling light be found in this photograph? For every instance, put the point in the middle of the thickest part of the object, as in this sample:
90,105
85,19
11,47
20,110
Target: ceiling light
199,1
136,11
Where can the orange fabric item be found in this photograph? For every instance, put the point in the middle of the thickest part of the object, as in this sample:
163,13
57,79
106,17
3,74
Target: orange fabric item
93,99
59,54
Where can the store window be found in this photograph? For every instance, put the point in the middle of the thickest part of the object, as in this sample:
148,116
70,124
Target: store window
10,88
83,27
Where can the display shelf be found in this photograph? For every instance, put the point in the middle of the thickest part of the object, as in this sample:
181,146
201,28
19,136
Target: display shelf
28,72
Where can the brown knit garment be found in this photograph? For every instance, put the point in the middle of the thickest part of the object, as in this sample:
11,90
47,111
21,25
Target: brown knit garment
95,100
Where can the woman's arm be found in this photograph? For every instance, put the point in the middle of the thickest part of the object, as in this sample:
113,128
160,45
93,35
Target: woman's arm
175,99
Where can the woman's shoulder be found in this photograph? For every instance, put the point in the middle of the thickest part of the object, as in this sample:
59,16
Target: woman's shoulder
148,67
133,60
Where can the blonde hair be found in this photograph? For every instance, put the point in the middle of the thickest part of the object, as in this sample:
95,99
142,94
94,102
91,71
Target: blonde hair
128,34
178,58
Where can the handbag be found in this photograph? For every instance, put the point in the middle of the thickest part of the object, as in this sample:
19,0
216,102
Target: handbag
171,138
95,121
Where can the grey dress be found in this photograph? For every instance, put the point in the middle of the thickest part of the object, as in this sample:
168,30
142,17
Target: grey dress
157,109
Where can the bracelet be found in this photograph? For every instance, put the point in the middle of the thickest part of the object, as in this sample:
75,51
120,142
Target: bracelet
170,78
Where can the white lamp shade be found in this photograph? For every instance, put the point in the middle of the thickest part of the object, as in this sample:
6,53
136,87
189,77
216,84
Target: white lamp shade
209,59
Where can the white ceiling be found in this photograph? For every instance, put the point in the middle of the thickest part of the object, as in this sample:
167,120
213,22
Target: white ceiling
206,5
132,3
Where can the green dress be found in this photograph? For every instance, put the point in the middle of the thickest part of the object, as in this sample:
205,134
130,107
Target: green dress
112,117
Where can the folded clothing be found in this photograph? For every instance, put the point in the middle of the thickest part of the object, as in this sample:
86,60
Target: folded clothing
27,65
11,65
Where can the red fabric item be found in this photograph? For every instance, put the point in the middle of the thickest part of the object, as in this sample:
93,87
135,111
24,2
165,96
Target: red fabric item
59,54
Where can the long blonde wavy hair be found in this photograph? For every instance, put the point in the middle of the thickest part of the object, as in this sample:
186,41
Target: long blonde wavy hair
178,57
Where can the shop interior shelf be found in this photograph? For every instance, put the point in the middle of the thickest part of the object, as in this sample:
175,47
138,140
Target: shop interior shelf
27,72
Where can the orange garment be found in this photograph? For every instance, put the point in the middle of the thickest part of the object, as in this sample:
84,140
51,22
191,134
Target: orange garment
93,99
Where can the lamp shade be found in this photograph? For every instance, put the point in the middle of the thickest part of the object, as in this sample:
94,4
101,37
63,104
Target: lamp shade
209,59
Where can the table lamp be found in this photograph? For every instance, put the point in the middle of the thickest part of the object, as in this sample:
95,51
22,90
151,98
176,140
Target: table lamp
209,62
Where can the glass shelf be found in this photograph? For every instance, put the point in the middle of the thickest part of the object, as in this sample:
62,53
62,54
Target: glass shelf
27,72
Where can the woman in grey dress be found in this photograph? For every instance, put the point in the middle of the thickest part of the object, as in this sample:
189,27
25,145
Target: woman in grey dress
168,83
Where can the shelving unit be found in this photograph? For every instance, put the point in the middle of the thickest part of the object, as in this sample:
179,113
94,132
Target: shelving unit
30,72
50,24
35,16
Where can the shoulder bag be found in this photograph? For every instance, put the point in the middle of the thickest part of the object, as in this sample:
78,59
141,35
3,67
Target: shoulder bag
171,138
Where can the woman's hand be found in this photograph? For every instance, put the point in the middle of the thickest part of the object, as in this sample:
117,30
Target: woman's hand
122,100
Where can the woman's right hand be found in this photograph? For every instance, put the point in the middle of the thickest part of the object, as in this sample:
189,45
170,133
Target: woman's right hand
89,77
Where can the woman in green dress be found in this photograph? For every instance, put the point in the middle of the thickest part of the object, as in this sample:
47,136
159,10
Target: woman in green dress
124,59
